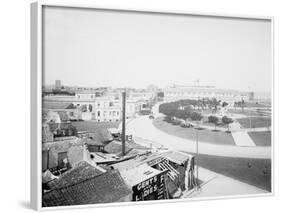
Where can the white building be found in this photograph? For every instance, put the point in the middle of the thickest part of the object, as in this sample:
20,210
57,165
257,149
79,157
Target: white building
105,108
175,93
108,109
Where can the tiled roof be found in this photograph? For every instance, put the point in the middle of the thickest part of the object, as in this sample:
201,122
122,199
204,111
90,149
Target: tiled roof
103,188
80,171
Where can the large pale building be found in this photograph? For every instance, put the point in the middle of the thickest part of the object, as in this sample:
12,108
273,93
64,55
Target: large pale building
175,93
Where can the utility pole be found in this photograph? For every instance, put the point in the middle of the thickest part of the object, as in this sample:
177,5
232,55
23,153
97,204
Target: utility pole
123,121
197,160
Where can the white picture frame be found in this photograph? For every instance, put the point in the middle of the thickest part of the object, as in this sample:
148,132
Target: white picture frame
36,96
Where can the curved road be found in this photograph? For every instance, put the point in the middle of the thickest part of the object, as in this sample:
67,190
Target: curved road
145,132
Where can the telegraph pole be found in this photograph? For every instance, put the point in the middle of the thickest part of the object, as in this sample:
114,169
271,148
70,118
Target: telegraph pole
197,160
123,121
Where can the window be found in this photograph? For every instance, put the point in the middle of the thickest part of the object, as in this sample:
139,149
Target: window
110,104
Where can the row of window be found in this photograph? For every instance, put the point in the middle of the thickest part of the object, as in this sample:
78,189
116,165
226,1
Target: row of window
85,96
197,94
110,113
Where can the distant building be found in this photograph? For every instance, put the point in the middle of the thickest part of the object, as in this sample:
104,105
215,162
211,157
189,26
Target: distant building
58,84
66,110
152,88
251,96
175,93
85,95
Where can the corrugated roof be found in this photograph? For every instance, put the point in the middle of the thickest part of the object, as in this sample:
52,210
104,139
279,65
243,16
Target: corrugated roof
177,157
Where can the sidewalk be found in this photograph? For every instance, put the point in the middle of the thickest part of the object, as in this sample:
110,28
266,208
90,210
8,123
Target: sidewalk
242,139
215,185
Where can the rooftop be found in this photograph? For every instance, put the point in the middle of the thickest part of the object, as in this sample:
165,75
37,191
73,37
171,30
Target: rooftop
115,147
177,157
87,185
138,174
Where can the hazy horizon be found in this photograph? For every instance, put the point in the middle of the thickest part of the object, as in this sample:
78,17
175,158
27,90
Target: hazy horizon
93,48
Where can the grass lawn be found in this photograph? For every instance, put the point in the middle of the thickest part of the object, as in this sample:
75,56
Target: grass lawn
256,104
208,136
261,138
92,125
245,112
256,172
212,125
255,122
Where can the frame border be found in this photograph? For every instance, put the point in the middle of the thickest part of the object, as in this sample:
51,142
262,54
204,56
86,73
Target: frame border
36,63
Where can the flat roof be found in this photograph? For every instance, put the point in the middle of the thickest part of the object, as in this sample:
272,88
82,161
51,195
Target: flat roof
139,174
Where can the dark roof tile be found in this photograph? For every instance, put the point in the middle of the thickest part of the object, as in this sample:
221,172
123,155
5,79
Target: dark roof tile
103,188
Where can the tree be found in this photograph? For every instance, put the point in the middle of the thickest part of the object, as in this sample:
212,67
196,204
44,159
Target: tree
226,120
195,116
235,105
214,120
242,104
90,107
187,112
215,103
224,104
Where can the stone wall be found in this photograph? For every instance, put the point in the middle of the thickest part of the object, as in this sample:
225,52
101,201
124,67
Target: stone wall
73,146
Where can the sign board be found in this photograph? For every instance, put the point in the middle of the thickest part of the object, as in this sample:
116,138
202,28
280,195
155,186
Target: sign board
150,189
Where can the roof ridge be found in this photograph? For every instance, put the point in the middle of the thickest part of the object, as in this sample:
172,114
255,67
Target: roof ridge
83,181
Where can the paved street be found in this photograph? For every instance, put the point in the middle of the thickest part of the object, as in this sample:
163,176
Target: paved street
144,132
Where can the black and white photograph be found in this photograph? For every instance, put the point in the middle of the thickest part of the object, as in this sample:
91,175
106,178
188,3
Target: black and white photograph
154,106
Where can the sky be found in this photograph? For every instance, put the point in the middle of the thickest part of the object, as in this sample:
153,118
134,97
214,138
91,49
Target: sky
92,48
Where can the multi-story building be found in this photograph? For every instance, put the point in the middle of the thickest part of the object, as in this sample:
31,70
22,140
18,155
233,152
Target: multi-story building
109,109
104,103
58,84
175,93
105,108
